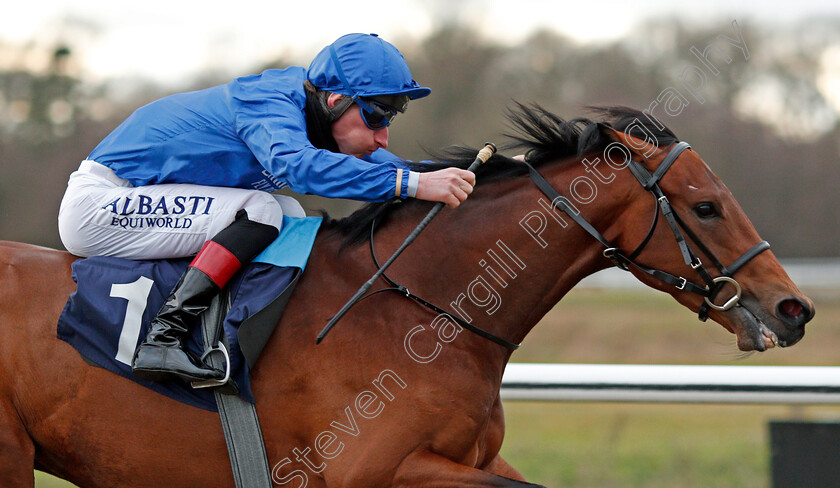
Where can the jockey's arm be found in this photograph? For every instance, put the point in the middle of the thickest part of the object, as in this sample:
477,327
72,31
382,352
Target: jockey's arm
279,141
449,185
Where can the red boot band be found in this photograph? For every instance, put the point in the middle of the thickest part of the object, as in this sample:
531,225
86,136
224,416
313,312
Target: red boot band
216,262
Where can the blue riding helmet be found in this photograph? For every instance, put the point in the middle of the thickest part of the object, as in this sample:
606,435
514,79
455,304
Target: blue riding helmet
363,65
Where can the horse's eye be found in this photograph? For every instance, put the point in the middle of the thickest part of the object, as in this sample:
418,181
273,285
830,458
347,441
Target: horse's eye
706,210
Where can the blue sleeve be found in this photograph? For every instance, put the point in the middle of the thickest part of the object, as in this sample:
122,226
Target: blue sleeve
382,156
272,124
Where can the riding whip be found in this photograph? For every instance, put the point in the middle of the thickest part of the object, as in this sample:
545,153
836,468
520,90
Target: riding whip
482,157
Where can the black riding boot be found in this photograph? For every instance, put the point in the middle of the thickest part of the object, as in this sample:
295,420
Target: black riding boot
162,356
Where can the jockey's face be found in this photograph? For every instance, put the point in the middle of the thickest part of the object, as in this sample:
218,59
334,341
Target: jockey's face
351,133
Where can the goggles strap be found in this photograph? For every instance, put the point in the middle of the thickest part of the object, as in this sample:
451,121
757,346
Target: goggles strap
340,72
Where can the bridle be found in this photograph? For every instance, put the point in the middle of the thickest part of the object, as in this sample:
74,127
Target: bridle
620,259
650,182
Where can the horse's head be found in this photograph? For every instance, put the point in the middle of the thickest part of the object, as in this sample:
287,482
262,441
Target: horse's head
730,275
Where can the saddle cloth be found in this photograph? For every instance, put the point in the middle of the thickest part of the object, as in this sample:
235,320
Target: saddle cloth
116,299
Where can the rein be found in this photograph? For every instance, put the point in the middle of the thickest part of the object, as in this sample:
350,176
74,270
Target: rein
404,291
650,182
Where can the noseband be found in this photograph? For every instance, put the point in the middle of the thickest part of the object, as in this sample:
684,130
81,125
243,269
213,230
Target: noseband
650,182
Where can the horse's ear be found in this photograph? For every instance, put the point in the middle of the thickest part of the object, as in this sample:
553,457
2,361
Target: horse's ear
643,148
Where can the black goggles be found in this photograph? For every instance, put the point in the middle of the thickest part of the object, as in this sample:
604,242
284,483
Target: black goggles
376,115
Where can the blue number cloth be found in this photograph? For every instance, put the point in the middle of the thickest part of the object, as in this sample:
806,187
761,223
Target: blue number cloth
97,313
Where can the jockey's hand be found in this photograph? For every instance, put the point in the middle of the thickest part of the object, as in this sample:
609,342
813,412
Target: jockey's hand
450,186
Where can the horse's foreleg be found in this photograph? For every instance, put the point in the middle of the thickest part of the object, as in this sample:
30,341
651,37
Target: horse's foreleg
17,452
429,469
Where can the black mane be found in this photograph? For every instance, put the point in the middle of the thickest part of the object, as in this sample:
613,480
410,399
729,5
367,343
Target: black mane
542,135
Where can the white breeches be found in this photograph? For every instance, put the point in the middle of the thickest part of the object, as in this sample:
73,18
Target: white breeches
104,215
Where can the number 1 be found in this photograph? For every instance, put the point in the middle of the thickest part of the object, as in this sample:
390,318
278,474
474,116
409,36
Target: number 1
137,294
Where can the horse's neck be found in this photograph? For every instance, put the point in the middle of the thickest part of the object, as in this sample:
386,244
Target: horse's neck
484,262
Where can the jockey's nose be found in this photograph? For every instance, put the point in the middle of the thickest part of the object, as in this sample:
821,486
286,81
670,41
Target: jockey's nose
381,137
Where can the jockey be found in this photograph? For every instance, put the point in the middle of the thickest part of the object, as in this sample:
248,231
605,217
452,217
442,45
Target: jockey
192,174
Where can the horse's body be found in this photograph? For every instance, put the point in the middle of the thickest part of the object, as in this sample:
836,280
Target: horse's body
393,396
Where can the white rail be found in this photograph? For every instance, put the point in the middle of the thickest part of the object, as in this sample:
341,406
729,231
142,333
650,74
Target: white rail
785,385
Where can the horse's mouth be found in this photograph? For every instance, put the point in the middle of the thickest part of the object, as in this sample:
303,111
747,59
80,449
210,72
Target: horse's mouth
753,334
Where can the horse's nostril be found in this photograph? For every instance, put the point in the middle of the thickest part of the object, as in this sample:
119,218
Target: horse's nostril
794,312
791,308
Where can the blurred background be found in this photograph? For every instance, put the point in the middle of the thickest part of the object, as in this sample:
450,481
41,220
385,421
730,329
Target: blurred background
767,124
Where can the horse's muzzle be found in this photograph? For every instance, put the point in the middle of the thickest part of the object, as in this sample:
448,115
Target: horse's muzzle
763,327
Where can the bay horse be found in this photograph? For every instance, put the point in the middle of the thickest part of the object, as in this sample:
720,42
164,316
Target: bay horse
397,394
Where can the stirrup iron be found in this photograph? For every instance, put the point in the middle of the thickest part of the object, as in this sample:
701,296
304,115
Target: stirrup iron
220,347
